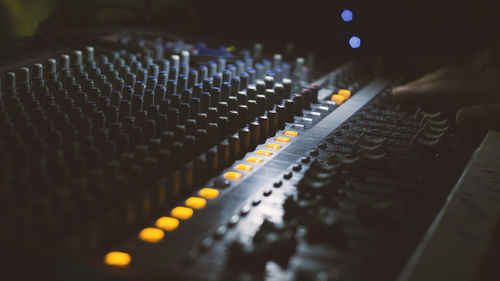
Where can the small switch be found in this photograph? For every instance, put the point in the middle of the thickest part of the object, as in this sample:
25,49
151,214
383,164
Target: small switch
273,145
167,223
264,153
232,176
116,258
282,139
345,93
255,160
182,213
209,193
151,235
196,202
243,167
338,99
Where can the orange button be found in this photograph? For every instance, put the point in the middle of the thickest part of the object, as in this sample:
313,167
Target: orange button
243,167
232,176
345,93
282,139
264,152
273,145
182,213
254,160
151,235
116,258
291,133
338,99
209,193
195,202
167,223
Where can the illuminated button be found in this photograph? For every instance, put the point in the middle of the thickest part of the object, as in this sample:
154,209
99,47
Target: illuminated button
264,152
151,235
232,176
167,223
291,133
282,139
182,213
243,167
209,193
254,160
273,145
116,258
345,93
196,202
338,99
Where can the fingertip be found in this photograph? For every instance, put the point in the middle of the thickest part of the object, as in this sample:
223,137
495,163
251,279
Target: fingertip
401,90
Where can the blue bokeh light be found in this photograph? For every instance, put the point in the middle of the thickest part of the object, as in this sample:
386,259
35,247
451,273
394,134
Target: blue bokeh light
346,15
355,42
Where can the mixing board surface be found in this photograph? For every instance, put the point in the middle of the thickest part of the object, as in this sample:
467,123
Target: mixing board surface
167,159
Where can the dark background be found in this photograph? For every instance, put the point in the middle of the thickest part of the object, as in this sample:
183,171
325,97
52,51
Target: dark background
443,30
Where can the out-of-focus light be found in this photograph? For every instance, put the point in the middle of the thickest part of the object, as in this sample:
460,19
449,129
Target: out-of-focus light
167,223
151,235
355,42
346,15
116,258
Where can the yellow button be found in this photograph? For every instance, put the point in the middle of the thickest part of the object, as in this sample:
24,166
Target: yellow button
282,139
116,258
338,99
196,202
291,133
254,160
182,213
273,145
151,235
345,93
232,176
209,193
167,223
264,152
243,167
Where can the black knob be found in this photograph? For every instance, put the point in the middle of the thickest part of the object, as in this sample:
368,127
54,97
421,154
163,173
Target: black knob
243,115
261,105
212,134
201,120
204,102
222,109
223,124
254,134
215,94
252,110
212,115
224,151
281,111
264,128
235,145
270,97
235,86
194,107
233,117
307,98
298,100
225,91
290,111
273,122
244,136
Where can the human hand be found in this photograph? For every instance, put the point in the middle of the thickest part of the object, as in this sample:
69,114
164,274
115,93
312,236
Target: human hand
472,88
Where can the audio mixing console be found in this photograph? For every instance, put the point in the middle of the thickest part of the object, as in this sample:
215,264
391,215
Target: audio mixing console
162,160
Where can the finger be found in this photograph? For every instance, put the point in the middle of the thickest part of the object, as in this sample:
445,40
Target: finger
476,117
443,90
445,72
